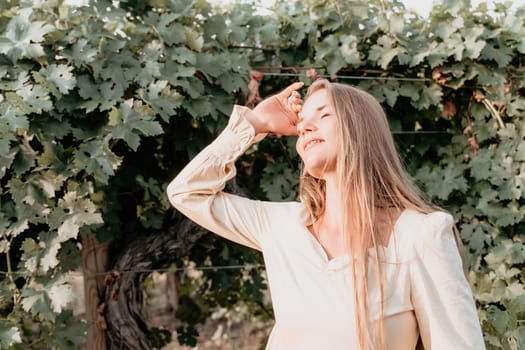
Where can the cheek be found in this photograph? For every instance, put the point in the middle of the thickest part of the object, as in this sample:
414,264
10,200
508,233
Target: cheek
298,147
332,129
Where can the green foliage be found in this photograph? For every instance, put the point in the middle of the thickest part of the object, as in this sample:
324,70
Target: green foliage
101,105
87,95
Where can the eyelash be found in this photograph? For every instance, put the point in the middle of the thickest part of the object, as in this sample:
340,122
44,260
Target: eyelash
325,115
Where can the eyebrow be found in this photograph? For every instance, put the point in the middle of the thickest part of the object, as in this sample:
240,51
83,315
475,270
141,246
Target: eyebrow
318,109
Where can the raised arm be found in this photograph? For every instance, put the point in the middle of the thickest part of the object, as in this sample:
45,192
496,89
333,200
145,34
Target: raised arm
197,190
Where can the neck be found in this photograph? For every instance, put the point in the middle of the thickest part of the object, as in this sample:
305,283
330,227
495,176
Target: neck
332,215
330,220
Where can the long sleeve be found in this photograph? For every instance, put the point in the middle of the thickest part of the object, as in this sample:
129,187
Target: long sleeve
197,190
441,295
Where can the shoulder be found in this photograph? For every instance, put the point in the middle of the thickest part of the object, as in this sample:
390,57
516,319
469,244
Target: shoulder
418,231
284,212
291,210
280,220
411,220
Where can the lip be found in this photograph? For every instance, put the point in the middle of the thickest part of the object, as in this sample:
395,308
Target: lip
311,143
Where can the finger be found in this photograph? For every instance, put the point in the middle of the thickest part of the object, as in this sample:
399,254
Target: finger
292,100
295,105
292,87
296,94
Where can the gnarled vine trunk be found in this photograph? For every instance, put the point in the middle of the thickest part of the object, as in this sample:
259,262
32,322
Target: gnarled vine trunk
126,327
122,309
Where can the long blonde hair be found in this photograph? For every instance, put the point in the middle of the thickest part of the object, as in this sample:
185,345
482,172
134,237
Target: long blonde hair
370,176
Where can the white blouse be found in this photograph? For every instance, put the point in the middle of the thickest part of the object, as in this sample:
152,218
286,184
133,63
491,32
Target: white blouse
426,292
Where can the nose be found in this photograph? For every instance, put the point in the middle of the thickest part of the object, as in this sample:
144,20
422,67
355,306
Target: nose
305,127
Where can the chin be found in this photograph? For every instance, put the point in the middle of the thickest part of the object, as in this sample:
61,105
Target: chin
317,165
318,172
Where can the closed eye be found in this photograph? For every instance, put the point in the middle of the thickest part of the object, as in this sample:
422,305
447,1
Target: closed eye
325,115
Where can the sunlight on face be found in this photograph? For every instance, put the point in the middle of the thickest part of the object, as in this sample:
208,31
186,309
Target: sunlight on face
317,129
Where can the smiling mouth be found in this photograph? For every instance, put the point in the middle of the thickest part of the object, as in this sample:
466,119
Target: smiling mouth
311,143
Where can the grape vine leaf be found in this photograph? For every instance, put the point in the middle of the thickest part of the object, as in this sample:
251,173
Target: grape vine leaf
129,125
9,335
61,75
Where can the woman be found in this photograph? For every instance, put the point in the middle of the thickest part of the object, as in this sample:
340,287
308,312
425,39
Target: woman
361,262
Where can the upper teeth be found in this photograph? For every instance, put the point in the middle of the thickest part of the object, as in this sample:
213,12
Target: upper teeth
311,143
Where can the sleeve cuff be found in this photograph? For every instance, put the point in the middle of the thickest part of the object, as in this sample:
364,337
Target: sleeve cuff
237,137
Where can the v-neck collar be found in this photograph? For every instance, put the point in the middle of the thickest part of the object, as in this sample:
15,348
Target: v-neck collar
342,261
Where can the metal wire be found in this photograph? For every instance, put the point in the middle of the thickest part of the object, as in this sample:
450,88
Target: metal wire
349,77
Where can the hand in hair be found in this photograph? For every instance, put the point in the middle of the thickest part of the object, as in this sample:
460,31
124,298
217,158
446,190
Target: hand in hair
278,113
